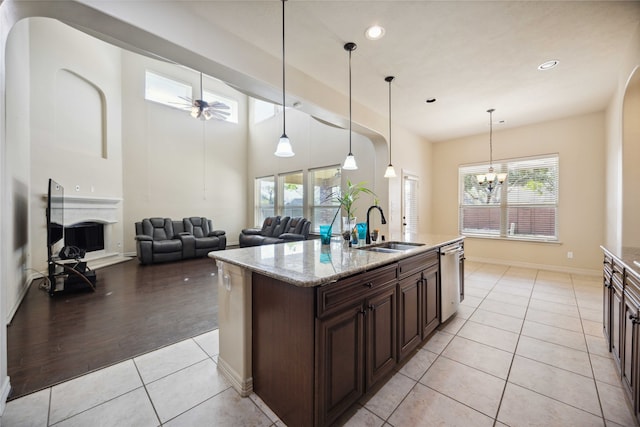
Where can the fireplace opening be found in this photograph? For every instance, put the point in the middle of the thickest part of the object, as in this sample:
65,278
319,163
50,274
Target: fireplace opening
85,235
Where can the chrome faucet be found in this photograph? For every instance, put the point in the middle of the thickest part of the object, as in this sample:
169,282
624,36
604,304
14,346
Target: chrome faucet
384,221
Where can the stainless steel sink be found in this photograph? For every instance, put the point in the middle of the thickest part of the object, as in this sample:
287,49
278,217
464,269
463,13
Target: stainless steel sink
391,247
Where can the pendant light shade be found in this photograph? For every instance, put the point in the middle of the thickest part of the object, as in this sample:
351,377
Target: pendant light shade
350,161
390,172
284,148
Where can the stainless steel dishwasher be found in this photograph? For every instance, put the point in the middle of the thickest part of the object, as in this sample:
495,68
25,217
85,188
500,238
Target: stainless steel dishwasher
450,257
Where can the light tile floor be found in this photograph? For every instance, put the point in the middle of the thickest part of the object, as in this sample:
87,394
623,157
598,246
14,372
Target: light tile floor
525,348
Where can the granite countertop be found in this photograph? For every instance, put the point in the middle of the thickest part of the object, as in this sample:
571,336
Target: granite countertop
629,256
308,263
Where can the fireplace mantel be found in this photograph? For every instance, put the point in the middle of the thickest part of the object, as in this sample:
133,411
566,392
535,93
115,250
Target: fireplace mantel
86,208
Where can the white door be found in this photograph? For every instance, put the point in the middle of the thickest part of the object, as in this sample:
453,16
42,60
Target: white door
410,216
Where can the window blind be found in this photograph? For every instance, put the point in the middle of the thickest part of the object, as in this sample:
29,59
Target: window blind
525,206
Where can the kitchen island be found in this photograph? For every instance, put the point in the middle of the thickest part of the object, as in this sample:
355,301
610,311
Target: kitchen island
311,328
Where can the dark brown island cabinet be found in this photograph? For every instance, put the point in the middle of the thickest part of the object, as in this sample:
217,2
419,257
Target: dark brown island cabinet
317,350
621,319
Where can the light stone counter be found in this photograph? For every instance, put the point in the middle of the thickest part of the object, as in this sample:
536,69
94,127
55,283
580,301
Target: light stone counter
303,264
308,263
628,256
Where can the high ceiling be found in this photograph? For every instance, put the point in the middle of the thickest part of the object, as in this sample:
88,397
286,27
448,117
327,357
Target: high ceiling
469,55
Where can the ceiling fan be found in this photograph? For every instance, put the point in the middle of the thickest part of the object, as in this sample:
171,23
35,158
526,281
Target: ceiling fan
201,109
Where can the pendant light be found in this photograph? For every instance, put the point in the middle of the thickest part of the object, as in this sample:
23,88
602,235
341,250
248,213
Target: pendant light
490,177
284,148
390,172
350,161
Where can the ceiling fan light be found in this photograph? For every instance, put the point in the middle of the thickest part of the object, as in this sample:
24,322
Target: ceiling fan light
390,172
195,112
284,148
350,163
207,114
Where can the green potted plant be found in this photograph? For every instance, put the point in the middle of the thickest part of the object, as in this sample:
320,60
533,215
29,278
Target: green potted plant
346,198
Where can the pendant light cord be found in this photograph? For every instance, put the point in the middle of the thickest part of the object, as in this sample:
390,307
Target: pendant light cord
350,102
284,114
490,136
389,79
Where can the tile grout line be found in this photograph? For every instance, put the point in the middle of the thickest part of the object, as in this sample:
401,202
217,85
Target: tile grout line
595,381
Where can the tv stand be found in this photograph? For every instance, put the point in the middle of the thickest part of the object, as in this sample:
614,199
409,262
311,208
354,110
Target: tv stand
70,276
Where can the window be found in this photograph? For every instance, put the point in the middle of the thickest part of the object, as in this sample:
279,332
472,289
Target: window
265,198
231,103
175,94
525,206
291,187
166,91
323,182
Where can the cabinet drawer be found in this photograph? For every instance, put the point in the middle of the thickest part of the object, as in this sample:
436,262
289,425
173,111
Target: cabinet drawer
351,290
632,285
417,263
617,275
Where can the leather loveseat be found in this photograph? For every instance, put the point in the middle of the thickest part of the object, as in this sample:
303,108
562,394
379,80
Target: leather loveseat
162,239
276,229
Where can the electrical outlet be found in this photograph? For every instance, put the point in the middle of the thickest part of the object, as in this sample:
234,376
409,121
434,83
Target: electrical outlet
570,255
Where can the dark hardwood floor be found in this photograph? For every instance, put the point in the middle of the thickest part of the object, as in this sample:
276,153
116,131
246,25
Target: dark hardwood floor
135,309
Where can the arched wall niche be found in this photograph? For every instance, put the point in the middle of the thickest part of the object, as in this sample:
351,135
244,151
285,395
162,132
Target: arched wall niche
631,162
80,115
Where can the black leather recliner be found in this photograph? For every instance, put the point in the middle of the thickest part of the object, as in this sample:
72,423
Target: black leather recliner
162,240
206,239
276,229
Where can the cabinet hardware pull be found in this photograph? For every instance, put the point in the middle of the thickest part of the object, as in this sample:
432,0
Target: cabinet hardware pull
372,307
369,285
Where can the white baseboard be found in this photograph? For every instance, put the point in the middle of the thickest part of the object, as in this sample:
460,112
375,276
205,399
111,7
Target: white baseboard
243,387
558,268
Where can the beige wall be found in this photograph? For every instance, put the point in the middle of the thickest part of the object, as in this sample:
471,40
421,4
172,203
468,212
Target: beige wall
614,147
580,143
174,165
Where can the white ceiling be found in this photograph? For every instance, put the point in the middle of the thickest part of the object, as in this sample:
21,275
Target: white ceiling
470,55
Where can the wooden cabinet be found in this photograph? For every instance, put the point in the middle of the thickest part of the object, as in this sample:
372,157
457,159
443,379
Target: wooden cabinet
630,356
621,323
607,298
317,350
340,373
418,301
356,344
430,301
617,308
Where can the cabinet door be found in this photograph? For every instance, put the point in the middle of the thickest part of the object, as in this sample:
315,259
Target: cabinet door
381,335
340,363
607,297
462,277
616,323
409,327
430,298
630,345
617,311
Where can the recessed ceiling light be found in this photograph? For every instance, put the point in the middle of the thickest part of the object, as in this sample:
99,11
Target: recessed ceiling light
548,65
430,100
374,32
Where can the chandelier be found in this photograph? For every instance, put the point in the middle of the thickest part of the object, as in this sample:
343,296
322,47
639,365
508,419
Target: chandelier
491,179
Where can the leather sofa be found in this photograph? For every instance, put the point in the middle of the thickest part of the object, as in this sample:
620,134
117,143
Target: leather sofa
163,240
274,230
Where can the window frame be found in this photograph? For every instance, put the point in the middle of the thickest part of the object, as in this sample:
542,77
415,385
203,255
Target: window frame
258,207
312,206
280,191
504,207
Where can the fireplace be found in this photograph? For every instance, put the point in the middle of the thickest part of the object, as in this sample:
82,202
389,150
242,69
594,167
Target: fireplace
87,235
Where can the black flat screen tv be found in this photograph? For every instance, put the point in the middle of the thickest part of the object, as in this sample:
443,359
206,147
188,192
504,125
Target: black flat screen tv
55,215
